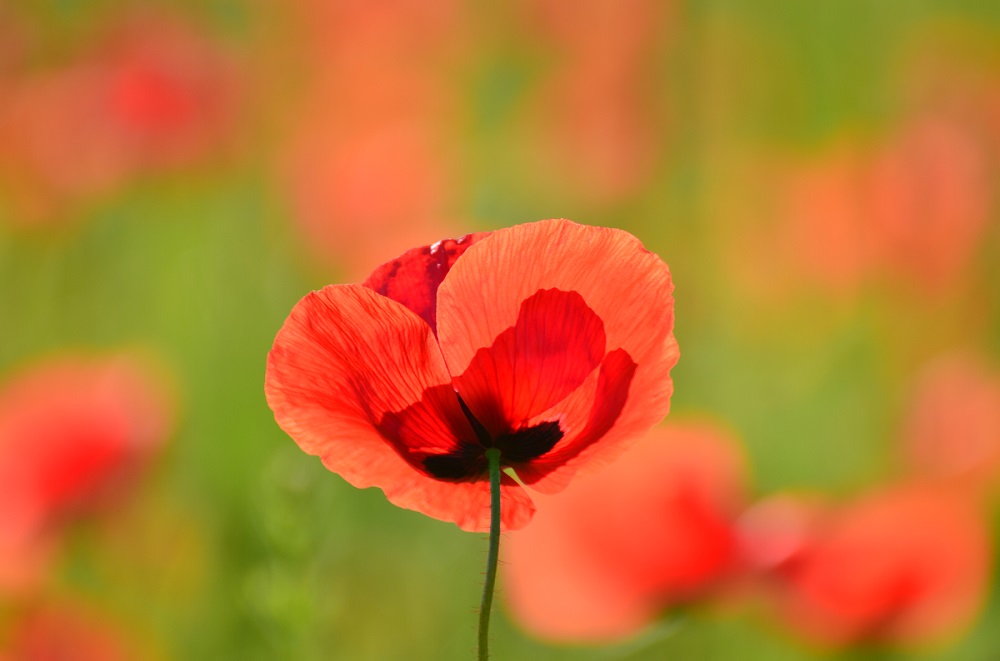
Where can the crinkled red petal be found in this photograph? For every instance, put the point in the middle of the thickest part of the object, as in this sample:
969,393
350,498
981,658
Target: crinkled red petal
413,278
554,345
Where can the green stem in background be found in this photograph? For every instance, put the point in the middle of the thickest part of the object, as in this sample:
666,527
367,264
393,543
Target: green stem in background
493,456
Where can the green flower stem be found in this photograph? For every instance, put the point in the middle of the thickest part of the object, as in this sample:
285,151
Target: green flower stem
493,455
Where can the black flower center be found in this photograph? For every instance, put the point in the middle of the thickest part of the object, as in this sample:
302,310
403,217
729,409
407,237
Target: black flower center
517,446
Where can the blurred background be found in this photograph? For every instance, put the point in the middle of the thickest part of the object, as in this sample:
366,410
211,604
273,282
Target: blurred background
821,177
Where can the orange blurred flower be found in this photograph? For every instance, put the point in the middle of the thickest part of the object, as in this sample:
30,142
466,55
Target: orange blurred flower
72,431
828,226
367,168
171,92
152,94
64,632
604,558
930,203
911,210
363,193
953,427
904,565
596,116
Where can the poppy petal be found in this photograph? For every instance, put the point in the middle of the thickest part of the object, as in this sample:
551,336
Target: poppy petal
628,289
554,345
606,409
592,413
346,359
466,504
413,278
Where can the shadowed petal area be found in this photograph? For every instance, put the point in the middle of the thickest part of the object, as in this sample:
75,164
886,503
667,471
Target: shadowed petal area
555,344
416,434
413,278
627,287
529,442
467,461
464,462
345,358
597,417
608,401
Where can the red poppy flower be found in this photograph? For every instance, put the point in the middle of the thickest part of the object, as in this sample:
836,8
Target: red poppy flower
604,558
70,431
905,565
551,341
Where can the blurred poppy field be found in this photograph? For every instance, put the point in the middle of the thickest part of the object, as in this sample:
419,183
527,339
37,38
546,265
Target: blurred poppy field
822,179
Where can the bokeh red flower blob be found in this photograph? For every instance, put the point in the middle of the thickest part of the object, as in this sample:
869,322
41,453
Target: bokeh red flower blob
151,93
912,209
952,429
603,559
905,565
369,164
551,341
594,118
64,630
72,431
